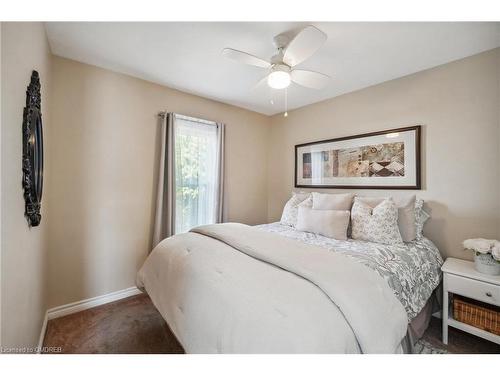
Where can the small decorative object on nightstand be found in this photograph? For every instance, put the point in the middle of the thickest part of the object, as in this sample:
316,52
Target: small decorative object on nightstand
460,277
486,255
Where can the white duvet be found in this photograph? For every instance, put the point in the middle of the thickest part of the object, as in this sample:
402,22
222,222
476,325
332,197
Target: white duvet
231,288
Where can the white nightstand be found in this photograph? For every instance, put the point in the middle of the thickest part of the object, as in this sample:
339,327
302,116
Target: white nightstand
460,277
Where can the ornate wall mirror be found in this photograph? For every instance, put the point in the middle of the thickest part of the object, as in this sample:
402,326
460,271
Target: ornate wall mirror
33,152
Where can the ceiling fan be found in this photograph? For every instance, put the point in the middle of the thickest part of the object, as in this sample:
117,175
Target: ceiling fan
290,53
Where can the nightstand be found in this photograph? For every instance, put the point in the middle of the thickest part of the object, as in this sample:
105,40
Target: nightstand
460,277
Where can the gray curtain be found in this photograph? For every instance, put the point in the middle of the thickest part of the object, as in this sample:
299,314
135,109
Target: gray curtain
220,169
165,202
165,207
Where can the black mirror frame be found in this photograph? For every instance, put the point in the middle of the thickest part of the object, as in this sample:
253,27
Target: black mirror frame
33,152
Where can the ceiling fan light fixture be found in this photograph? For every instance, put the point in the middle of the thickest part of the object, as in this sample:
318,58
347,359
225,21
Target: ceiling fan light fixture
279,79
281,68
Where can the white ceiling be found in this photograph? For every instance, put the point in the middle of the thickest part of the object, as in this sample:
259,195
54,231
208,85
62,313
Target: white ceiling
187,55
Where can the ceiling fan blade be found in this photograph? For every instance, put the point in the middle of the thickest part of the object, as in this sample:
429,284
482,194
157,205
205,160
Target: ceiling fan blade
244,58
261,84
305,43
307,78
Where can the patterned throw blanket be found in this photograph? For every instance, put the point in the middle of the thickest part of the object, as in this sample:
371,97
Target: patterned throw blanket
412,270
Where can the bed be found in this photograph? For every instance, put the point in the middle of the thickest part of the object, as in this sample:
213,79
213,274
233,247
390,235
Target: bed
233,288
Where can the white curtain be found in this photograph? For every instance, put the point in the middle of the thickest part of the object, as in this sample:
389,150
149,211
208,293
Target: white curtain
191,175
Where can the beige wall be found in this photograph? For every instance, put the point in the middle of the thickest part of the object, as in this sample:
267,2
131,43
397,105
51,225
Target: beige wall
458,106
24,250
104,154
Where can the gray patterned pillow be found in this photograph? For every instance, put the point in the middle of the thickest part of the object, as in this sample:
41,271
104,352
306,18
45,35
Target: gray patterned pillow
290,211
420,217
406,214
378,224
307,202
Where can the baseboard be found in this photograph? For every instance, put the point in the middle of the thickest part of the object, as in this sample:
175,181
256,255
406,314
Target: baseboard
71,308
42,332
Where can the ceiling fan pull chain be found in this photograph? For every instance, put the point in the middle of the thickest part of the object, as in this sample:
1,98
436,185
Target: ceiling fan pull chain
286,103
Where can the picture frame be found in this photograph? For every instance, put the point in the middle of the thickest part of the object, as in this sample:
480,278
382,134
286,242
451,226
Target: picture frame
387,159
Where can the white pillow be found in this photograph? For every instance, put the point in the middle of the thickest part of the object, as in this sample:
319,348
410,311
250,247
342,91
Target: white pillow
378,224
289,215
406,214
323,201
329,223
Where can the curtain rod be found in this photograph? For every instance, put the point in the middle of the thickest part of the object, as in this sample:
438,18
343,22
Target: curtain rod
194,119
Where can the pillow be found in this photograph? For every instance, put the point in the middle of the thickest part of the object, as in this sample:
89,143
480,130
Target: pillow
307,203
341,202
406,214
420,218
378,224
329,223
289,215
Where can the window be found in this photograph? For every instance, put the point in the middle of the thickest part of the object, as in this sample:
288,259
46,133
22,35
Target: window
196,169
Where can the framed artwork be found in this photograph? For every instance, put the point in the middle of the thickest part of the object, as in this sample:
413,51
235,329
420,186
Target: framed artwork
388,159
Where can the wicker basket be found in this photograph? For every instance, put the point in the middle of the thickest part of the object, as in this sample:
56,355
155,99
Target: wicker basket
477,314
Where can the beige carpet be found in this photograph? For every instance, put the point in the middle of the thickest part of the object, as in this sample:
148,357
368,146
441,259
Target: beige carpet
133,325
